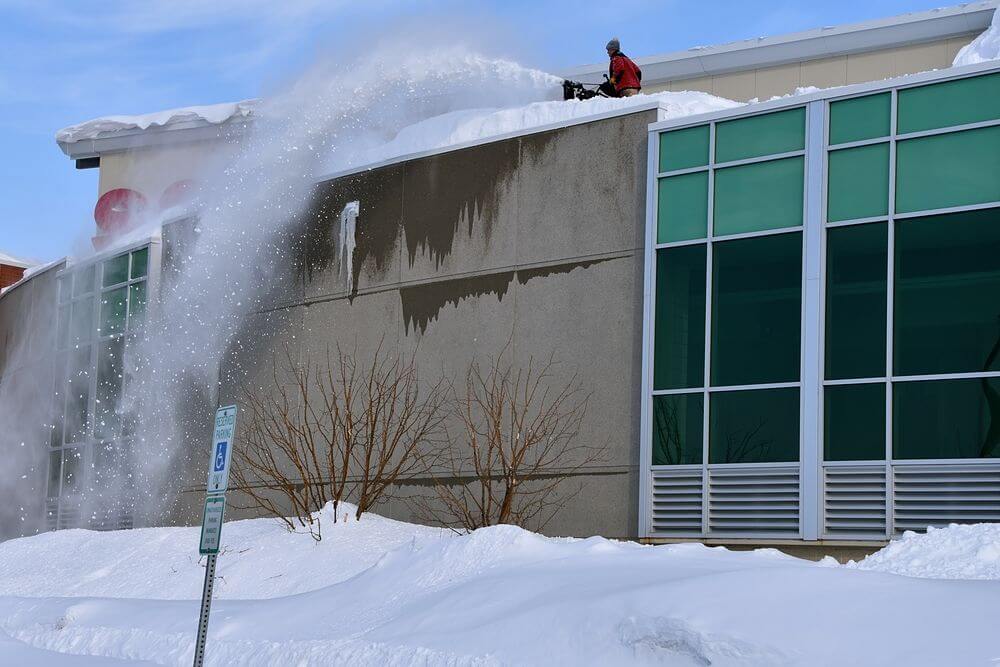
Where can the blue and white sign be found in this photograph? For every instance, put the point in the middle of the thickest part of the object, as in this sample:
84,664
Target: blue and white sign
222,450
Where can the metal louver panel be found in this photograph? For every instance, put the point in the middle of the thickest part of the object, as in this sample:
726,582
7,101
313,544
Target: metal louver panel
51,514
677,502
854,501
939,494
759,500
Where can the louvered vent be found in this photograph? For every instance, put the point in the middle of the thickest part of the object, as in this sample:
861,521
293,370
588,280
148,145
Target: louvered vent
51,514
936,495
854,501
762,500
677,502
69,515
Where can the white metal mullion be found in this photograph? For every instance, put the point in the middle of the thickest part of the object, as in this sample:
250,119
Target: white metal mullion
707,370
889,314
645,527
857,221
949,129
810,431
770,157
947,210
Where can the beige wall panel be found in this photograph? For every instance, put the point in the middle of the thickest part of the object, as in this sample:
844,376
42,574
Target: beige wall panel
955,44
824,73
921,58
151,170
875,66
704,84
772,81
739,86
657,88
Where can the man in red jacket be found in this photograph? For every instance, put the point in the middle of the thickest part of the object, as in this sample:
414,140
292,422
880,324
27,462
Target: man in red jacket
624,74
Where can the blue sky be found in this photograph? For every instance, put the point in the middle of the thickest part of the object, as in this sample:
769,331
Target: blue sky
62,62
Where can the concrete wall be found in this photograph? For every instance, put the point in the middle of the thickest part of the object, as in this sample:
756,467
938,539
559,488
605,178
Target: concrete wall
27,330
534,240
768,82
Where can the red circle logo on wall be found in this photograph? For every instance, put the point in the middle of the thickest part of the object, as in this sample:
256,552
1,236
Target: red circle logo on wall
179,192
117,209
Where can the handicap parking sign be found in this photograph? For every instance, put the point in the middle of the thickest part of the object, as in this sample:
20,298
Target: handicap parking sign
222,451
220,456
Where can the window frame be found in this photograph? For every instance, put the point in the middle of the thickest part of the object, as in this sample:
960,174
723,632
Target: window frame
61,502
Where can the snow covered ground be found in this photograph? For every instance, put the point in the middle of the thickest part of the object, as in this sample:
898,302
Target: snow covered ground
381,592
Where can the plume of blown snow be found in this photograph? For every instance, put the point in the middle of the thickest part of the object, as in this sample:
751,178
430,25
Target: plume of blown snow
245,248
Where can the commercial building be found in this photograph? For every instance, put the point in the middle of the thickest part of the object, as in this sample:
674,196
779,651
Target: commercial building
786,311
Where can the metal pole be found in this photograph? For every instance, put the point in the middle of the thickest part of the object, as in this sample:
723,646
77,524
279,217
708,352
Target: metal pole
206,608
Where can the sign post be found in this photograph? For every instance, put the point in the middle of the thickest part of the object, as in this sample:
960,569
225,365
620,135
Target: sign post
213,515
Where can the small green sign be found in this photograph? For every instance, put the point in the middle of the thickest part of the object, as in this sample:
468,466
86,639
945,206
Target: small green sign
211,525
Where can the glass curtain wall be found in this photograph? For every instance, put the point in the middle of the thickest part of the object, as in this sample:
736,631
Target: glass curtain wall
101,308
726,347
908,349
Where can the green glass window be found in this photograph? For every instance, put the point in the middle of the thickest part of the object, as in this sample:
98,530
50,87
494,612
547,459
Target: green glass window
136,304
950,103
682,207
115,270
62,333
55,473
679,346
83,281
854,417
677,429
72,470
109,384
113,310
82,325
140,263
65,288
683,149
856,265
943,170
756,306
78,395
758,426
860,118
947,294
758,196
946,419
765,134
858,183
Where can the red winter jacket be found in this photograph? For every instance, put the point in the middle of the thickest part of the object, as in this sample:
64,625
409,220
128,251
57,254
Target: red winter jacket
624,72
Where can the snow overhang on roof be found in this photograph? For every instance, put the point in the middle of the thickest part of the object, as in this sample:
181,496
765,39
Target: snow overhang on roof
824,42
10,260
118,133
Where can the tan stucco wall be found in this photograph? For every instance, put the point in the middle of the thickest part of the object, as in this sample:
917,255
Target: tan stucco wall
151,170
768,82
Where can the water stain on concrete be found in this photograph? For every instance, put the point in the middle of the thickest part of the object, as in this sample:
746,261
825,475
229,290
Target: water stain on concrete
422,304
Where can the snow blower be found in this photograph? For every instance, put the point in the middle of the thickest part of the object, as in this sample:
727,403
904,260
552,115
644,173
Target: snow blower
574,90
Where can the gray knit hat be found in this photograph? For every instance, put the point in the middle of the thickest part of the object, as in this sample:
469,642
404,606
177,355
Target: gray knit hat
614,44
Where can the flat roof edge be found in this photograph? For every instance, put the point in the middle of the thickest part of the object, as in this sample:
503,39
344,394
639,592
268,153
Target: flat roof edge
829,93
133,138
901,30
652,105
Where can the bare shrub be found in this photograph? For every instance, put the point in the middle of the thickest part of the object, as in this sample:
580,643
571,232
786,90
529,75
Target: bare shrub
334,429
517,448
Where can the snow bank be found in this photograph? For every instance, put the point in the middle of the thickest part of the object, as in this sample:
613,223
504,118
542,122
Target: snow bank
261,559
470,125
381,592
983,48
955,552
215,114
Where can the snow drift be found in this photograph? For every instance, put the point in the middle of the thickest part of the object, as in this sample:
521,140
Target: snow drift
214,114
984,48
381,592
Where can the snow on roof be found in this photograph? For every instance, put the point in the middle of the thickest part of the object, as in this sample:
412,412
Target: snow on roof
10,260
983,48
460,129
211,114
